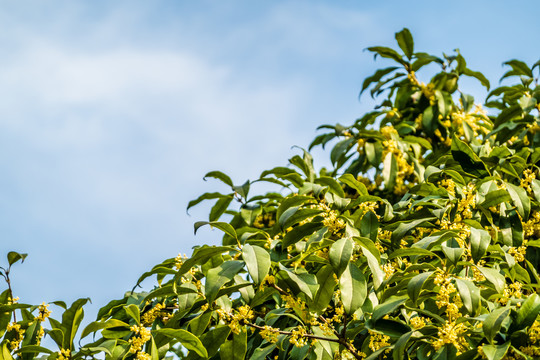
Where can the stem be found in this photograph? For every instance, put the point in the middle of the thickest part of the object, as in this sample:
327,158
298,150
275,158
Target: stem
10,290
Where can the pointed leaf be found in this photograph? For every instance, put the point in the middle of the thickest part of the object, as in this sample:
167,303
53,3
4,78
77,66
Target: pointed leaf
257,261
340,254
187,339
353,288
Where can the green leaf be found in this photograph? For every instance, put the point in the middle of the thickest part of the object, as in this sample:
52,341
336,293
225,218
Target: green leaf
205,196
303,284
98,325
400,347
494,277
480,240
200,256
340,254
386,52
353,183
376,77
34,349
327,284
133,311
71,319
495,197
470,296
521,200
405,42
452,250
528,311
353,288
478,75
219,276
13,257
496,352
390,169
199,324
415,285
257,261
376,271
300,232
492,323
388,306
234,349
469,161
369,225
187,339
225,227
219,208
519,68
220,176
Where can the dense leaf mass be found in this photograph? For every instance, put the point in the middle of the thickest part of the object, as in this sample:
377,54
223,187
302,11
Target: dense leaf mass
421,242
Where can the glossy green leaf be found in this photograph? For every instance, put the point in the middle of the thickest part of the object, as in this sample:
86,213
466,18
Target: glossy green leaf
257,261
327,284
470,296
223,226
480,240
495,352
415,285
220,176
520,199
340,254
528,311
187,339
493,322
494,277
376,271
14,256
405,42
388,306
353,288
234,349
219,276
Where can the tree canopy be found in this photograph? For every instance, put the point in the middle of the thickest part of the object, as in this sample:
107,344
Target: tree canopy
419,242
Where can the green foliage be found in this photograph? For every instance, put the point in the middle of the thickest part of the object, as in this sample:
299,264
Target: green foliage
420,242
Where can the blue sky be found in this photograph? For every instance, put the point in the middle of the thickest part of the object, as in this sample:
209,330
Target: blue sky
112,112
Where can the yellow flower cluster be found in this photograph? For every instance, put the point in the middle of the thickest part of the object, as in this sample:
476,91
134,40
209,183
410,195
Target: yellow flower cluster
534,332
141,355
360,145
19,335
298,337
531,228
44,312
444,296
142,336
526,181
333,222
179,260
404,168
64,354
419,322
367,206
378,341
467,203
370,186
264,221
519,252
451,333
511,291
450,186
151,315
236,320
269,334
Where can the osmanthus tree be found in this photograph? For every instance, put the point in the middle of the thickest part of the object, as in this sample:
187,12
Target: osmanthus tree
421,242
